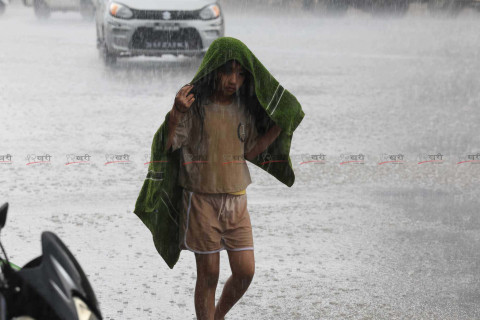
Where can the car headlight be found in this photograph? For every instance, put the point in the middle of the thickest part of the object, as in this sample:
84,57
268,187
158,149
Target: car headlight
120,11
83,311
210,12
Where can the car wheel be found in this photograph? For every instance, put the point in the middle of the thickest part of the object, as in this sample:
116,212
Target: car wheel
87,10
336,7
454,7
435,5
451,7
400,8
389,7
308,4
41,9
109,59
99,41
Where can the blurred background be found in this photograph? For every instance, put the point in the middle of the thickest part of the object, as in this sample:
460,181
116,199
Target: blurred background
363,240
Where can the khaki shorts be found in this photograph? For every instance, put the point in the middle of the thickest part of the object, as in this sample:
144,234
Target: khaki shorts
211,222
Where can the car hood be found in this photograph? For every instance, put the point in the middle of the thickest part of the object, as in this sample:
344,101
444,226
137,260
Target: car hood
166,4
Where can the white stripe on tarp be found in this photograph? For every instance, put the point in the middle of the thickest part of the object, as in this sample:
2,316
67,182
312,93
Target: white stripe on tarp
154,179
278,101
273,96
168,210
170,201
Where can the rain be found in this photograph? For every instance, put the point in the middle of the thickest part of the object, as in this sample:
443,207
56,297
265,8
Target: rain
383,219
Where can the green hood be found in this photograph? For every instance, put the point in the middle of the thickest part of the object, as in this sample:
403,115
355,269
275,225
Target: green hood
280,105
160,200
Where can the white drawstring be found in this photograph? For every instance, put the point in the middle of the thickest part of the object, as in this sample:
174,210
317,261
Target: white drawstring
221,207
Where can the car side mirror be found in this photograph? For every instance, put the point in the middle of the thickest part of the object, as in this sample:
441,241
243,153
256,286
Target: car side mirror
3,215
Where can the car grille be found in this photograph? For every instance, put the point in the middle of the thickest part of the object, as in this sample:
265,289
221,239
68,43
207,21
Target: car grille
159,15
150,39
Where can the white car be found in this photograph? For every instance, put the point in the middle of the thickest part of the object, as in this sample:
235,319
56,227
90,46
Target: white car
3,5
43,8
128,28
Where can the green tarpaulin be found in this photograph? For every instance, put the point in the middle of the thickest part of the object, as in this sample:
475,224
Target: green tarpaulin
160,200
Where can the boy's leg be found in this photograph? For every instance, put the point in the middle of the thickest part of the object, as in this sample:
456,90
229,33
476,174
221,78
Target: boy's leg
208,268
242,264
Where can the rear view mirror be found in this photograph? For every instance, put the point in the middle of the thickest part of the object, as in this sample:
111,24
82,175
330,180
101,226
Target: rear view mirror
3,215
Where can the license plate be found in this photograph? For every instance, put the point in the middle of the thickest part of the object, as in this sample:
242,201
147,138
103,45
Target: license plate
166,27
166,45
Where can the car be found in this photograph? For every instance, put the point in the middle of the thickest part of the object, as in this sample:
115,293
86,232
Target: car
3,5
475,4
44,8
450,7
127,28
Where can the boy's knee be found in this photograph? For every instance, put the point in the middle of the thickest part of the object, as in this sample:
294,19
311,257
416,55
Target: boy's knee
245,275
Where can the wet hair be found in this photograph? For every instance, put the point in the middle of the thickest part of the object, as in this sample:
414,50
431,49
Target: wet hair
205,87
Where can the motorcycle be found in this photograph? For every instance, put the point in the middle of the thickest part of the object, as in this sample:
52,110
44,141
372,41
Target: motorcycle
52,286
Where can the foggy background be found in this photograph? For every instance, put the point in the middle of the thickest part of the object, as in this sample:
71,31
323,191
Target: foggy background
346,241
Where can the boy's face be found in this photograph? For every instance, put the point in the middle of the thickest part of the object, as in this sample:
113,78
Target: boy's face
231,79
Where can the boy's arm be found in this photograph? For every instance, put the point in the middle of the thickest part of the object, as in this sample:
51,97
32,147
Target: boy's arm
263,142
174,119
180,107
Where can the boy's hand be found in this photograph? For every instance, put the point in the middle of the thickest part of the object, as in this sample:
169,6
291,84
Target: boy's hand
263,142
276,129
182,100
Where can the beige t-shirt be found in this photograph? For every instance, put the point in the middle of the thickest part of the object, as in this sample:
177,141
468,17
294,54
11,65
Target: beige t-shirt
214,162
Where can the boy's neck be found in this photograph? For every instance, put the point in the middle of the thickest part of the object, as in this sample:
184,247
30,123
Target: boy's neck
222,99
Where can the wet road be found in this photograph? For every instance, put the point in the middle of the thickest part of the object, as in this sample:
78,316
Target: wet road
354,241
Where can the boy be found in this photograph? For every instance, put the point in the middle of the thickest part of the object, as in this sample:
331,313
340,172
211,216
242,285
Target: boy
213,185
193,196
